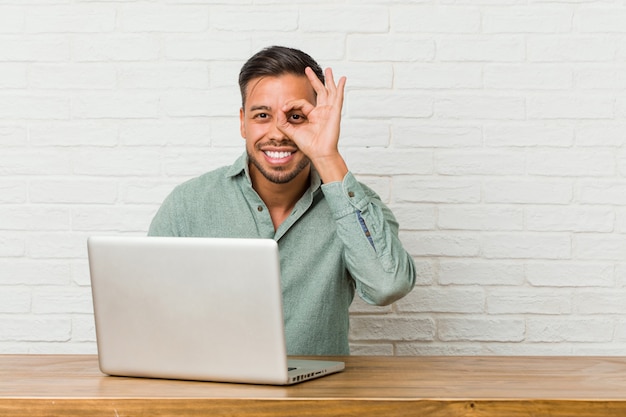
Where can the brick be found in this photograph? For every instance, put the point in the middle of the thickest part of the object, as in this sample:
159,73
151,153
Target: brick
570,107
464,217
12,191
527,20
33,273
570,274
62,300
437,349
27,218
380,185
206,47
425,268
166,76
32,48
528,77
12,135
83,328
56,245
194,162
479,162
220,102
603,134
146,191
414,217
410,133
367,75
533,301
69,77
480,329
388,104
417,190
34,328
254,18
620,220
439,76
588,302
547,48
168,132
115,47
597,247
118,161
528,191
364,133
480,107
429,19
527,245
117,219
600,78
574,219
374,349
382,48
528,134
225,132
74,133
73,191
602,192
443,300
163,18
324,47
391,328
31,162
442,244
601,20
13,76
389,161
22,106
15,300
476,272
493,48
361,18
559,329
12,245
116,106
74,18
11,19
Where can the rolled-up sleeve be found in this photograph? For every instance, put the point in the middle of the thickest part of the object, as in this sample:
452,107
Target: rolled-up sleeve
375,258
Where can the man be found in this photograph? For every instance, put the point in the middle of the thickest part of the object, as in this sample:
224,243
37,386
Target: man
292,185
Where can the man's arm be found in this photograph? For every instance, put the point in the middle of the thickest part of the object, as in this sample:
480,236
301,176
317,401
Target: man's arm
381,267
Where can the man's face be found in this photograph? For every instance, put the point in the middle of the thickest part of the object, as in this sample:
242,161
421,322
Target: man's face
270,152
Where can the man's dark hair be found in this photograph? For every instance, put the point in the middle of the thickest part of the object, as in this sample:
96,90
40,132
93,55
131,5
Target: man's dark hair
273,62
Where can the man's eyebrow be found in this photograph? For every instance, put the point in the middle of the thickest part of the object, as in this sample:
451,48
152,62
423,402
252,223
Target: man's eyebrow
260,107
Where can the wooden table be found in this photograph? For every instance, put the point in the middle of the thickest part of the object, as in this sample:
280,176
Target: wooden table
68,385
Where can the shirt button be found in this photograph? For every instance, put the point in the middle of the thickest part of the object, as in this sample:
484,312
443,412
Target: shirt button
260,208
350,193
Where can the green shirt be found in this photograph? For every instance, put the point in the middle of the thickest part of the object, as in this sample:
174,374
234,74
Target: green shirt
338,238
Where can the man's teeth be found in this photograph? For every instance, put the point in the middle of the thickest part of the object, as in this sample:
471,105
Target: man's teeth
277,155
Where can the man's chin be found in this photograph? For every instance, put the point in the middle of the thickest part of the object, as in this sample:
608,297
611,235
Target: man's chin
279,175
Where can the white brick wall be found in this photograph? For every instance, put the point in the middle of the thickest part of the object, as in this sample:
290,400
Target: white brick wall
494,129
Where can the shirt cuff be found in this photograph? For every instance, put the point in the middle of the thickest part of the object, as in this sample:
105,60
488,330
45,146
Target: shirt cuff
346,196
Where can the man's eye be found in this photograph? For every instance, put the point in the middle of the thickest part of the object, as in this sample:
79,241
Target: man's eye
296,118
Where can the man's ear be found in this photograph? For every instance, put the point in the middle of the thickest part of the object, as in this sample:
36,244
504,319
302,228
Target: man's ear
242,128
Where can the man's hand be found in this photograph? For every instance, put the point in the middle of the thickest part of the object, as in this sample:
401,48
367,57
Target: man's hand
315,128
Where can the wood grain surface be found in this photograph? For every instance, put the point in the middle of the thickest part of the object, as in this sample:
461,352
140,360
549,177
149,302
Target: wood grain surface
72,385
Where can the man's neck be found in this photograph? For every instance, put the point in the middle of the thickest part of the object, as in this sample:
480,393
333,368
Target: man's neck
280,199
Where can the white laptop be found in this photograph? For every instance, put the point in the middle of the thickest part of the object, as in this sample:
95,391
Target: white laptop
203,309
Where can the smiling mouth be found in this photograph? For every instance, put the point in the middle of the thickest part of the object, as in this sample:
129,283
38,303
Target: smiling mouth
278,155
